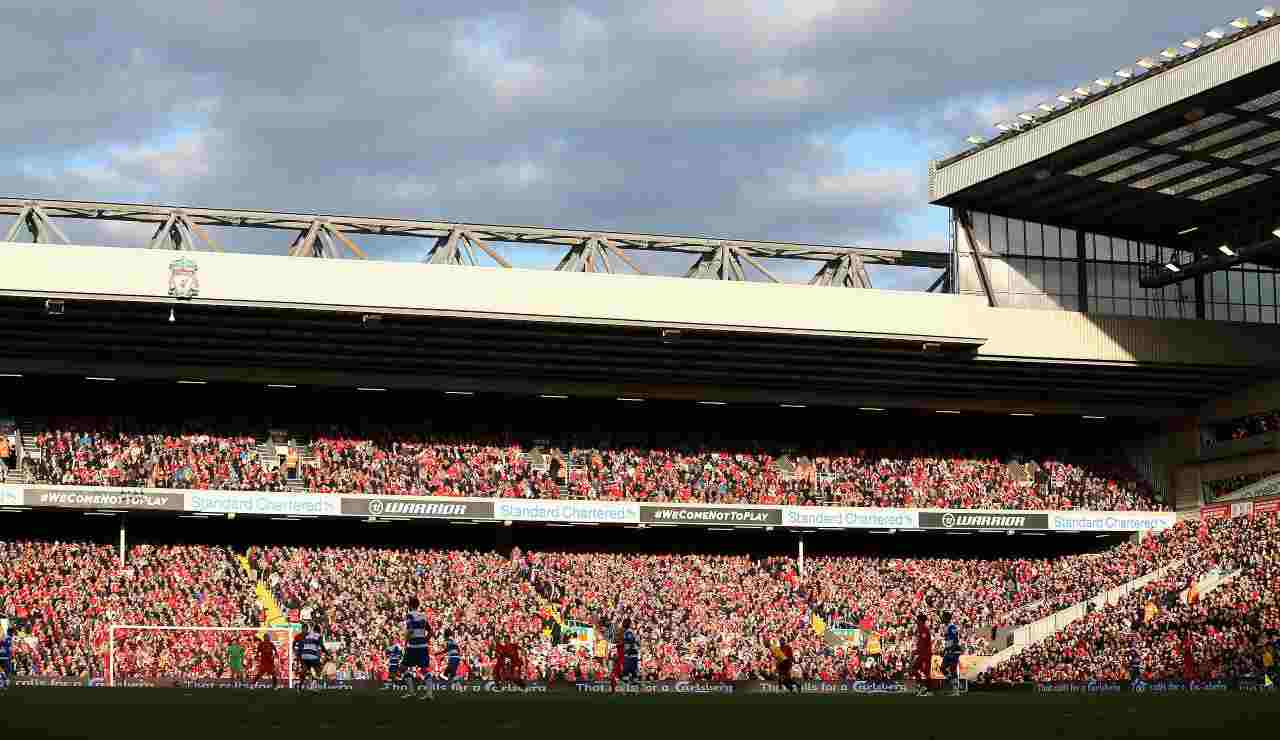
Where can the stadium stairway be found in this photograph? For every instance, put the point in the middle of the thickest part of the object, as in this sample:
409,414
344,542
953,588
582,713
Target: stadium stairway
274,614
26,445
1211,581
1042,629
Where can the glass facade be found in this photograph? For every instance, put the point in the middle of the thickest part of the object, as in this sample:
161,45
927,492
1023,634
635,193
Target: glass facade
1037,266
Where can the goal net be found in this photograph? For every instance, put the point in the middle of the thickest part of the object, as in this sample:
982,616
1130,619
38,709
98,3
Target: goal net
152,655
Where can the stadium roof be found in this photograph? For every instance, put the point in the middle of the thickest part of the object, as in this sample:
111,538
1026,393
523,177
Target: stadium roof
260,345
1181,149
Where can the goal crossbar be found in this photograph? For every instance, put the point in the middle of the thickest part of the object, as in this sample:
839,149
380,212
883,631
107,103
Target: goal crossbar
113,628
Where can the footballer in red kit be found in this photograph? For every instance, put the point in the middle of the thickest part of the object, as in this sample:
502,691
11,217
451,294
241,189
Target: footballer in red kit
923,667
619,657
266,660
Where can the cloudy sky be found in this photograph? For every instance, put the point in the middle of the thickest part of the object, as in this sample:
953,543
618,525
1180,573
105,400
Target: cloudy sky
796,120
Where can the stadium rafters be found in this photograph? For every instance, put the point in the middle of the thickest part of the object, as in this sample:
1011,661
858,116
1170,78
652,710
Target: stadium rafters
326,236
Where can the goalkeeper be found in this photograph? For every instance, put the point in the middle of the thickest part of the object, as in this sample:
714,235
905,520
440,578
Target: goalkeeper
235,660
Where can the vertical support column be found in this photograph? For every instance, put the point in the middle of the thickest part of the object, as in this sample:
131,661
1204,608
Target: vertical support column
802,570
1082,273
1200,307
123,542
503,542
953,279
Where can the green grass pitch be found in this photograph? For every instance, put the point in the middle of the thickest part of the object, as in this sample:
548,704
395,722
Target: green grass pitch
174,714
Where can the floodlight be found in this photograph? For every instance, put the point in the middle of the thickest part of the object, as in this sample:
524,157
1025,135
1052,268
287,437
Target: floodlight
1083,91
1276,231
1217,33
1193,43
1147,63
976,140
1241,23
1103,82
1005,126
1172,267
1227,250
1027,116
1125,73
1268,12
1170,53
1184,232
1047,107
1066,97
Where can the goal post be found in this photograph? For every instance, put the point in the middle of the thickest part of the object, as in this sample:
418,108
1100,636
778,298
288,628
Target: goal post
209,642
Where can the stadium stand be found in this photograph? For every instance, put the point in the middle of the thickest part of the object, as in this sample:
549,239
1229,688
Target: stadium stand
61,596
92,453
1170,630
700,615
1216,489
88,452
1248,426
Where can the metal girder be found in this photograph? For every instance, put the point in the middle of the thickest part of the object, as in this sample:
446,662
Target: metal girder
844,272
337,227
37,223
975,251
593,255
941,281
321,239
459,248
1159,276
727,262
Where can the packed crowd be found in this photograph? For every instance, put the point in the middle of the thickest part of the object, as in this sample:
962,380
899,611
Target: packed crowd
924,480
60,598
986,596
358,597
698,616
715,477
1216,489
1168,630
1248,426
443,466
88,455
433,467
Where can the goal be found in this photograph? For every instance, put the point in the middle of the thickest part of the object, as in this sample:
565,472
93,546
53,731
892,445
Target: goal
189,653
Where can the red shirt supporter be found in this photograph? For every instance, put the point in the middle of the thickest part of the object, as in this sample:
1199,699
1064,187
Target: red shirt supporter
89,452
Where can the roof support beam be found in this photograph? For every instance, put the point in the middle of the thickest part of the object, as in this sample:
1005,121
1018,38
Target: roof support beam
321,239
727,262
1159,276
459,247
975,250
846,272
338,227
38,225
940,281
592,255
179,233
